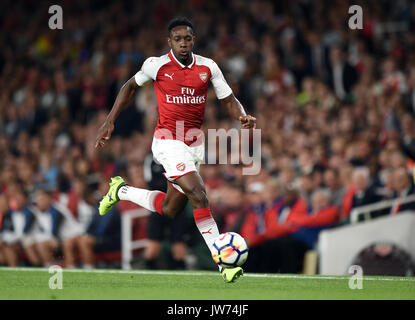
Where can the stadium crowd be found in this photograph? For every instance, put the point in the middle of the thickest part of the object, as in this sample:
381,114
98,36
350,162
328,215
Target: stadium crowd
336,109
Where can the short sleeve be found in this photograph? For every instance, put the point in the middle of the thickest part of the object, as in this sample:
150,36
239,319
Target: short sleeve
145,74
219,83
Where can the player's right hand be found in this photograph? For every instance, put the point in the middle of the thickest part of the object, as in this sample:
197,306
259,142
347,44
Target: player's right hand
104,134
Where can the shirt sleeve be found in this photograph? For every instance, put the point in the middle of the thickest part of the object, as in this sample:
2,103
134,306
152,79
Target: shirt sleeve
145,74
219,83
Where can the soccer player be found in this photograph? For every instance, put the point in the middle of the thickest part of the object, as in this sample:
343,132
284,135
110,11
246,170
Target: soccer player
180,81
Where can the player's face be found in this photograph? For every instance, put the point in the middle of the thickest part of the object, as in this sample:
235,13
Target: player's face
181,41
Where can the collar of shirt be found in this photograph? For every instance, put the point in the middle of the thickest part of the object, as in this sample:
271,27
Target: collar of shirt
172,56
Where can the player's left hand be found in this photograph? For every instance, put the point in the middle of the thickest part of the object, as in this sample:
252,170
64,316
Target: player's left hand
248,122
104,134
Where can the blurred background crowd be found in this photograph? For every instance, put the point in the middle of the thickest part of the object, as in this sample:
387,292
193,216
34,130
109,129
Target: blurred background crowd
336,108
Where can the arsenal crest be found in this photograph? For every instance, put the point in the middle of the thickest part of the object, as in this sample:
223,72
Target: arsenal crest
180,166
203,76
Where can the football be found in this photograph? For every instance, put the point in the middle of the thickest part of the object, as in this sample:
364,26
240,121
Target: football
230,250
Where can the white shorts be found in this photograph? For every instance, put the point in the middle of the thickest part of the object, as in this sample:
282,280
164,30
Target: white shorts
177,158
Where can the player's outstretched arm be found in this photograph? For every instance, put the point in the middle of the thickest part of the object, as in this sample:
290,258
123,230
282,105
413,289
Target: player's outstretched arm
123,99
237,111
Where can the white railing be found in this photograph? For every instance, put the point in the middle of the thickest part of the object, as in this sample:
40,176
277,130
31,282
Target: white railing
368,209
127,242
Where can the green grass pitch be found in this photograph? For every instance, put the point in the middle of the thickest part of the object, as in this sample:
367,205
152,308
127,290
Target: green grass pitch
32,283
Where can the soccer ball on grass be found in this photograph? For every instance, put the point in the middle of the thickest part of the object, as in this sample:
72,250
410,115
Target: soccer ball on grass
230,250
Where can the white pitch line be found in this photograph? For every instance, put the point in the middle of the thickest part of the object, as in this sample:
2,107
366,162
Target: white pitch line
176,273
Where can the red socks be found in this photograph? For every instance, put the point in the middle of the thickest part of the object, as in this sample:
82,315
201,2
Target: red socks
158,201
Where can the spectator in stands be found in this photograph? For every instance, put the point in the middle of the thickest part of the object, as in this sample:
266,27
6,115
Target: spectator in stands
253,228
47,169
403,187
393,78
342,76
287,176
18,230
85,203
65,194
288,252
387,187
332,181
316,54
408,135
4,210
397,160
278,217
79,200
272,193
319,216
306,187
26,176
361,193
361,154
56,227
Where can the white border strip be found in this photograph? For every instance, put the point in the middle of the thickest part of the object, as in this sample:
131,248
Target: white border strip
210,273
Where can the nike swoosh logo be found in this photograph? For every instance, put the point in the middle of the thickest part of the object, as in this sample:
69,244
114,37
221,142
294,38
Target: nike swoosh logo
109,196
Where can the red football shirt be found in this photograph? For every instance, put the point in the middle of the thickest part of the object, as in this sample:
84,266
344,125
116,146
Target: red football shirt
181,93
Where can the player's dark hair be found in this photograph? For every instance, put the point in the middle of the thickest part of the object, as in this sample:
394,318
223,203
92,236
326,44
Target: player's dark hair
180,21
